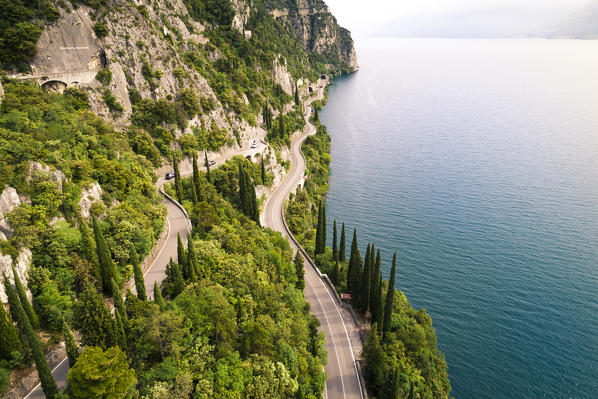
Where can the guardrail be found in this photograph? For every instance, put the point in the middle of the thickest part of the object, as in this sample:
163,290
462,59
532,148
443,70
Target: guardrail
177,204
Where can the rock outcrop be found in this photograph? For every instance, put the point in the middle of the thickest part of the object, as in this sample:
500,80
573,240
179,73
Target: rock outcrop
88,197
22,265
56,176
9,200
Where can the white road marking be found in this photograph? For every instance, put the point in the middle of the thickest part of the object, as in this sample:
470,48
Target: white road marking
39,384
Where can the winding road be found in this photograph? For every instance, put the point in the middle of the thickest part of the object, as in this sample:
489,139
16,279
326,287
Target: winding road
342,335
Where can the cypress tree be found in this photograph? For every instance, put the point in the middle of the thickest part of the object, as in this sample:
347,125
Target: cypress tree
33,319
316,115
364,295
375,356
317,249
323,236
243,194
178,184
93,319
174,279
342,247
281,125
335,273
119,327
13,300
119,303
9,337
377,306
72,349
192,260
182,257
88,248
296,95
388,305
373,278
354,272
107,268
37,351
139,280
255,211
299,269
193,192
395,387
334,241
196,180
263,172
411,393
158,296
209,177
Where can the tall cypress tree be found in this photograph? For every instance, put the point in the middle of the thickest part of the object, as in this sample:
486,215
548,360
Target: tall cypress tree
33,319
209,177
192,260
390,296
334,276
374,277
255,210
175,284
158,296
377,306
139,280
93,319
317,249
263,168
281,125
364,295
197,180
72,349
178,183
323,236
182,257
119,303
342,247
9,337
334,242
243,194
119,327
37,351
354,272
107,268
299,269
88,248
296,95
316,115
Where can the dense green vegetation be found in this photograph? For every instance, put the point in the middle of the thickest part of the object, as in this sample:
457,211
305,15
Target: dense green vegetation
402,360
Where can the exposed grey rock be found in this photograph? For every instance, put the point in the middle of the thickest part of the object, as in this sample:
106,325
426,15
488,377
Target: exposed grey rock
9,200
56,176
21,265
88,197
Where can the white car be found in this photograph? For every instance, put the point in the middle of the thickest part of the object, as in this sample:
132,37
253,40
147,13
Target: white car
254,144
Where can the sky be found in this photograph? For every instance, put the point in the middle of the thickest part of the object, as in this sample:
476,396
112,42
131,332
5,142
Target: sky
366,18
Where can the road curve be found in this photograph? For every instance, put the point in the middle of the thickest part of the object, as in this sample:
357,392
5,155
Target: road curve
342,375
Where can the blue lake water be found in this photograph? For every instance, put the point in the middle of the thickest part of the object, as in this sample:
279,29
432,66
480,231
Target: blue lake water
477,160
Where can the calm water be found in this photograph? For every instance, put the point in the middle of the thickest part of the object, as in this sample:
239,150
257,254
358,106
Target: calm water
478,161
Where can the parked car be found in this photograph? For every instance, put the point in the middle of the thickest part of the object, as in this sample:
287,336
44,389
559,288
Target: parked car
212,163
169,176
254,144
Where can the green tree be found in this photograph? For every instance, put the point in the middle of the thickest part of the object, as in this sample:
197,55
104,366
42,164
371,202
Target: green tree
375,272
158,296
342,247
88,248
107,268
320,246
263,170
388,305
119,303
174,282
197,180
139,280
101,374
334,276
324,226
377,306
354,272
92,318
364,295
299,269
37,351
316,115
374,355
334,242
72,349
209,177
9,337
192,259
119,328
182,257
25,301
178,183
296,95
281,129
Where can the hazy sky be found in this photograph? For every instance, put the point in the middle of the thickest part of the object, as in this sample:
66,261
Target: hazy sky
364,17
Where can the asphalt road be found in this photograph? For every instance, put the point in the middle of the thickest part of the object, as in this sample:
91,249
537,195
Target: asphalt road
342,376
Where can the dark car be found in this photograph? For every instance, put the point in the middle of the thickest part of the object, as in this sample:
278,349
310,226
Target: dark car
212,163
169,176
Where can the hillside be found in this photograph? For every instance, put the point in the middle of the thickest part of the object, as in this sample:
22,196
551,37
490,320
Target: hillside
583,24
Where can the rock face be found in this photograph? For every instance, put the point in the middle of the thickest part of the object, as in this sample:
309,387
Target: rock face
317,27
21,265
88,197
9,200
55,175
282,76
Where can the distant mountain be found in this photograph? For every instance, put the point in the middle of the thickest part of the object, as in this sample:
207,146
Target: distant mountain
583,24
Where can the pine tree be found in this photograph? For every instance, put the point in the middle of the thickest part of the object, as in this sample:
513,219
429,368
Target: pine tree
299,269
119,303
334,276
364,295
33,319
334,242
342,247
263,172
209,177
196,180
139,280
72,349
107,268
317,249
388,305
281,125
354,272
296,95
158,296
37,351
88,248
93,319
178,183
9,337
182,257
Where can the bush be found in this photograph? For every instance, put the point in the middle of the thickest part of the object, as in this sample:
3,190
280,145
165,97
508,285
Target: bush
100,29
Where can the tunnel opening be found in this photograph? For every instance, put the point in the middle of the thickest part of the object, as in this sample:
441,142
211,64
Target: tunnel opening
54,85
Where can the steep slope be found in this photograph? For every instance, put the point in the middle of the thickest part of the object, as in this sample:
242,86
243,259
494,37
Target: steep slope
583,24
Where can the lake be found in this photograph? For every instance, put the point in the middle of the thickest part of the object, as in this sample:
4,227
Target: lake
477,160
